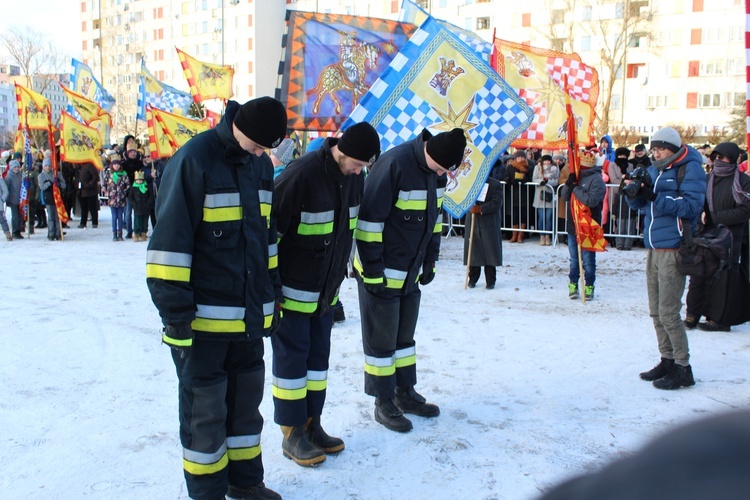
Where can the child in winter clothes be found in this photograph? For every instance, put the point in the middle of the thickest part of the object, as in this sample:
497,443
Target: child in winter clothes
118,184
3,199
142,200
47,179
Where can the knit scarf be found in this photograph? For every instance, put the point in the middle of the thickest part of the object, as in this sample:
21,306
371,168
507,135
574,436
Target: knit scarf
116,175
141,187
724,169
660,165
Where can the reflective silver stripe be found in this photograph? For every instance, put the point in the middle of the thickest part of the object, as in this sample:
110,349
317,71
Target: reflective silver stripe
316,217
268,308
279,235
204,458
265,196
243,441
220,200
353,212
370,227
440,192
299,295
220,312
405,353
381,362
395,274
290,384
313,375
273,249
417,194
169,258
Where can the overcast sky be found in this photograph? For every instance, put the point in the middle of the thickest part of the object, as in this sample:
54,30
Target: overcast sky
57,19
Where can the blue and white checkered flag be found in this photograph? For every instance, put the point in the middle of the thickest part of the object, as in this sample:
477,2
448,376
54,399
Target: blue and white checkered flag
440,83
160,95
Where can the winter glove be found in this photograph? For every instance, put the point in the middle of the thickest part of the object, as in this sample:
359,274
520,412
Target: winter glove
374,284
428,273
544,182
647,192
278,313
475,210
571,181
179,337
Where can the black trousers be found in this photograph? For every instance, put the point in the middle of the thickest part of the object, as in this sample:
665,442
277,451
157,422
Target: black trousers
220,390
88,205
490,274
388,325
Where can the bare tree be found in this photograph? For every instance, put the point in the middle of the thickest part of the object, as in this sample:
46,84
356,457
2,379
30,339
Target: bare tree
738,126
561,29
34,54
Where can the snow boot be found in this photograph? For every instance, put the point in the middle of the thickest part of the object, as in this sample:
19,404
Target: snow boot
317,436
572,291
521,234
339,316
410,401
8,236
114,236
588,290
144,236
713,326
119,236
658,371
388,414
691,320
678,376
296,447
515,235
257,492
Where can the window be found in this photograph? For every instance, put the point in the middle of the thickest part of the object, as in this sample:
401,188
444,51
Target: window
635,69
557,44
483,23
657,101
586,13
615,102
526,19
467,23
712,68
736,67
713,35
638,39
619,11
585,43
697,5
695,36
709,100
736,33
736,99
557,16
636,7
694,68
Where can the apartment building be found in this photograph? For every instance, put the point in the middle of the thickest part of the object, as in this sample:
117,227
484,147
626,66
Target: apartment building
118,34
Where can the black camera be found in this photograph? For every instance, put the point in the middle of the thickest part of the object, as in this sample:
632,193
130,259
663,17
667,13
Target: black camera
637,177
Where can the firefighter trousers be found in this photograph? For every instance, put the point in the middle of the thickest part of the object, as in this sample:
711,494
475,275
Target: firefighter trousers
220,390
388,325
301,348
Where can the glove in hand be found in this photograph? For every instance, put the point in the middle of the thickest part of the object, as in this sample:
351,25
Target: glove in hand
571,181
543,183
475,210
647,192
278,314
428,273
375,284
179,337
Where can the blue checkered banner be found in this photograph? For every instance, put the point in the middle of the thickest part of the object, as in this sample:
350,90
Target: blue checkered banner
440,83
161,96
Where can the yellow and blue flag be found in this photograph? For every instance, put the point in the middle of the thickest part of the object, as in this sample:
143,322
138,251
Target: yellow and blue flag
440,83
160,95
84,82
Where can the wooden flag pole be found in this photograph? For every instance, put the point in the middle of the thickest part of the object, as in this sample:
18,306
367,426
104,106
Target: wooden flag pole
468,257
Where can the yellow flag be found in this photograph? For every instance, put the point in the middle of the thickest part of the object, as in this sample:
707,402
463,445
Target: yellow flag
88,109
178,128
207,81
158,141
18,142
80,143
33,109
103,125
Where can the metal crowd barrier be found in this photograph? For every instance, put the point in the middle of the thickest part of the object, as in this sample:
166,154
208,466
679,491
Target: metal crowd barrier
619,223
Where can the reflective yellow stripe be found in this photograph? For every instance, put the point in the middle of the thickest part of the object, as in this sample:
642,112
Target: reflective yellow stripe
315,229
352,223
438,227
395,284
267,320
372,281
368,237
380,371
243,453
177,342
203,469
265,209
317,385
406,361
289,394
170,273
440,202
303,307
411,204
222,214
218,325
273,262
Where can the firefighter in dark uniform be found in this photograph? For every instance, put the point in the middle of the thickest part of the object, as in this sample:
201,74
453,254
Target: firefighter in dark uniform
212,273
398,242
316,205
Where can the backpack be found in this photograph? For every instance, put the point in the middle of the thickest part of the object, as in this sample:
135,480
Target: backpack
705,254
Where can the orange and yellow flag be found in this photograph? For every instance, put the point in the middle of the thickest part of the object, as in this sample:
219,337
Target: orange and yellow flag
207,81
178,128
33,109
80,143
158,141
89,110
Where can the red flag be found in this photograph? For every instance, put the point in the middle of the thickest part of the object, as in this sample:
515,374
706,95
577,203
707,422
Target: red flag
59,205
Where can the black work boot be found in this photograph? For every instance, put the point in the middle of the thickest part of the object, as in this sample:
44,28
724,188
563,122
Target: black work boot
296,447
678,376
412,402
317,436
257,492
388,414
658,371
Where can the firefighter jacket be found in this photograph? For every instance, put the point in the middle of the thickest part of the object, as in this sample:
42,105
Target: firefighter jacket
212,258
316,209
399,226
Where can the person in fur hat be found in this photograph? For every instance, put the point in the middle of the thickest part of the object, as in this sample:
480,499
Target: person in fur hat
517,173
142,200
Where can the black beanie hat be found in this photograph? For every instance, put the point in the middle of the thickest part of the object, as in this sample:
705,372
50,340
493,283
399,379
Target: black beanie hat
447,149
728,149
640,147
622,151
361,142
262,120
546,158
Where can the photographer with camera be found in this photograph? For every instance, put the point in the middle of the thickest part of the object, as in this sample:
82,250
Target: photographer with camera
672,189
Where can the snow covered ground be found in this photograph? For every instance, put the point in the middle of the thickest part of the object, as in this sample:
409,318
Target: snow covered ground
533,387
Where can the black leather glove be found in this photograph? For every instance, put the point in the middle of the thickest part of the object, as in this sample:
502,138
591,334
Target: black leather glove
374,284
571,181
647,192
179,337
543,183
278,314
428,273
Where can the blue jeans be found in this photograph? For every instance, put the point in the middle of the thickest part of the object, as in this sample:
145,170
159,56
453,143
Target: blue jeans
128,216
589,263
118,214
544,219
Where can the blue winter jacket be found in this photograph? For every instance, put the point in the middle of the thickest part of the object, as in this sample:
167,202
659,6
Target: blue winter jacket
662,226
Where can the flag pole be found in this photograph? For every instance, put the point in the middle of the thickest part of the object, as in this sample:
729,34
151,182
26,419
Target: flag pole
468,258
53,159
575,168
